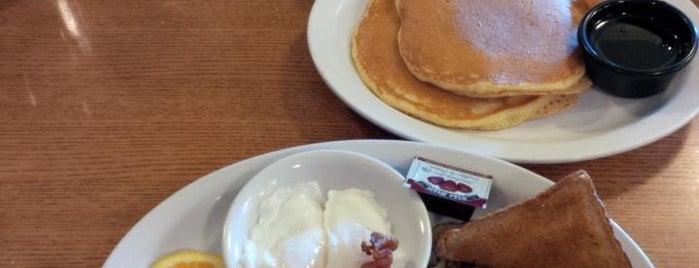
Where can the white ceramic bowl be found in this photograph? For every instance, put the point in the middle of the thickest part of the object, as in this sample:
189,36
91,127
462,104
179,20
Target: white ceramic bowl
333,169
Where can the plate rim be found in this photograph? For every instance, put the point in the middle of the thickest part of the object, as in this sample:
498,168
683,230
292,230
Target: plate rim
678,110
219,178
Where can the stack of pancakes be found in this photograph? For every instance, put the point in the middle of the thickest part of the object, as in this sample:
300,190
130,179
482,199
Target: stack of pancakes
472,64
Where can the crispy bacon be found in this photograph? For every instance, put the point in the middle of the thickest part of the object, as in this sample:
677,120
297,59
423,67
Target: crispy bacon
380,247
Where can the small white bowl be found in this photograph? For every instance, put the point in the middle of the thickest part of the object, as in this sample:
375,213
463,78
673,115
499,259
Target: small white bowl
333,170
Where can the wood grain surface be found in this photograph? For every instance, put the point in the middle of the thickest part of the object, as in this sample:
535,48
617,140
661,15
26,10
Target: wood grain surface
109,107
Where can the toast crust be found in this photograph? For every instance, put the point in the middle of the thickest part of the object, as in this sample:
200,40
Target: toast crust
565,226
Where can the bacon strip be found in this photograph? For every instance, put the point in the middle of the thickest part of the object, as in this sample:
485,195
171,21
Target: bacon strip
380,247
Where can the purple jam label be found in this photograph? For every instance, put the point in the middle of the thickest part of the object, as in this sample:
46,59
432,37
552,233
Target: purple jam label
452,183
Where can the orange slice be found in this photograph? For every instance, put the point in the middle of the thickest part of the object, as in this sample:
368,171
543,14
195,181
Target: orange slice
189,259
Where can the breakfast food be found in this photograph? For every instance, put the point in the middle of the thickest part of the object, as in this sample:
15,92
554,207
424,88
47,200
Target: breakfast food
493,48
571,230
189,258
296,228
352,216
381,249
289,231
379,64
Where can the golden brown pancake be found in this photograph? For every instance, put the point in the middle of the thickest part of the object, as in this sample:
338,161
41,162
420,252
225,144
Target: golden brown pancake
565,226
493,48
376,58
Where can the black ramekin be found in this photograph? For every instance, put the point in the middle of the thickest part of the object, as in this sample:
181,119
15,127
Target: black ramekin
626,81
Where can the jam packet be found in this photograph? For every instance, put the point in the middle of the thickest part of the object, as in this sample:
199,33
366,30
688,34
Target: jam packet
448,190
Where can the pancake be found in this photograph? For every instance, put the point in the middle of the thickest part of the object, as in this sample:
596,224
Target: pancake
565,226
493,48
376,58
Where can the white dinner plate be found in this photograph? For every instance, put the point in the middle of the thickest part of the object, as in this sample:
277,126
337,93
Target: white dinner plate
193,217
599,125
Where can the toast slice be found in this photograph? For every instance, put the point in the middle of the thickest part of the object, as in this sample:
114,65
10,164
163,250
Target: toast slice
565,226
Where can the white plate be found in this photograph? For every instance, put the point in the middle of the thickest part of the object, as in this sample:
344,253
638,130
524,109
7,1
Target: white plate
194,216
333,170
598,126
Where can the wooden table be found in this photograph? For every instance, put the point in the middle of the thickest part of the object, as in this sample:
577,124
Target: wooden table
108,107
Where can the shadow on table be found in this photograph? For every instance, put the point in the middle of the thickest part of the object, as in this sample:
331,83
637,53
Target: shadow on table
8,3
617,174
